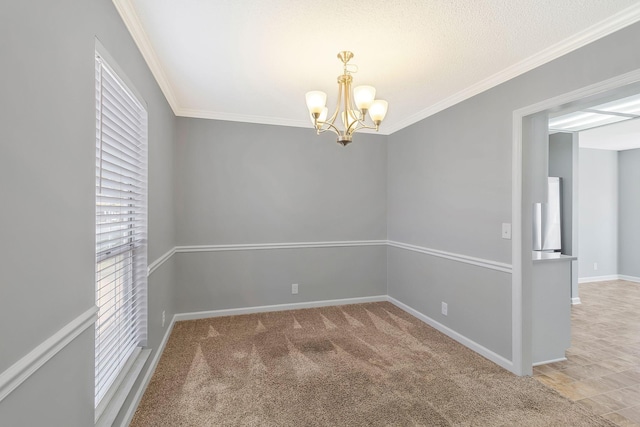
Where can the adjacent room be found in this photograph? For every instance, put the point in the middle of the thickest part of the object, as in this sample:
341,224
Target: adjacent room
291,213
594,150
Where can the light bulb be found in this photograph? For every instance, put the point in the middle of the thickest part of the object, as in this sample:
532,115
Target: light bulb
323,115
316,101
321,118
348,119
378,110
364,96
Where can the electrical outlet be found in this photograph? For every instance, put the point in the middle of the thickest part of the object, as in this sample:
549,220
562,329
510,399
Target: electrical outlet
163,318
506,230
595,265
294,288
445,308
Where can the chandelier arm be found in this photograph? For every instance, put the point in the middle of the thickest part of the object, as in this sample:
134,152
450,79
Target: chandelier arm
365,126
330,126
358,121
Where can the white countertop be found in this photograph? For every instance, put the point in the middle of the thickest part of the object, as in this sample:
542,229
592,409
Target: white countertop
539,256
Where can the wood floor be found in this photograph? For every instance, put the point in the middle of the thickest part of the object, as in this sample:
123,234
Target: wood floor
602,370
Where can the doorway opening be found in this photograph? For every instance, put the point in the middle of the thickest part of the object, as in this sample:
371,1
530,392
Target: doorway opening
530,168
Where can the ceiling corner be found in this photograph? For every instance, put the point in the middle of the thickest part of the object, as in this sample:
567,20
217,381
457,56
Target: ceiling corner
130,18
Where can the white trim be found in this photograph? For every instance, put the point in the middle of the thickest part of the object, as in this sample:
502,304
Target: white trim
609,278
277,307
494,357
157,263
516,246
264,120
599,278
561,359
479,262
575,301
125,382
295,245
130,18
516,191
244,118
260,246
17,373
629,278
131,410
603,28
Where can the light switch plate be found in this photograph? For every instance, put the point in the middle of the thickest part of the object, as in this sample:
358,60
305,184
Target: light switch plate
506,230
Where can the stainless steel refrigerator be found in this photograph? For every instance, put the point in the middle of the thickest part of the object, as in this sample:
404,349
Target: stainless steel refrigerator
547,220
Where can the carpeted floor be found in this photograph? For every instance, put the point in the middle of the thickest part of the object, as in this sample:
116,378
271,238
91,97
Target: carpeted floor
356,365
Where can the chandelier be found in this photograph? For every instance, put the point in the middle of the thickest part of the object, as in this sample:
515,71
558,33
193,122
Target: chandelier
352,109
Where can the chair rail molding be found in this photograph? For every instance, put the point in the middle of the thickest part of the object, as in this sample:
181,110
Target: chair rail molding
17,373
478,262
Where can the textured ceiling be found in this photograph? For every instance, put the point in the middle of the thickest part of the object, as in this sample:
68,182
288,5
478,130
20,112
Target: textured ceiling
253,60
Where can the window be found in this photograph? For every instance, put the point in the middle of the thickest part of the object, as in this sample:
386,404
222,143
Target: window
121,230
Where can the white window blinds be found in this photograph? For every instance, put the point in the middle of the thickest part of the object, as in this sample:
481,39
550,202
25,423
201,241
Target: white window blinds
121,227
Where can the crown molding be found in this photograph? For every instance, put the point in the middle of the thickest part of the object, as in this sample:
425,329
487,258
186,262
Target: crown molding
245,118
603,28
130,18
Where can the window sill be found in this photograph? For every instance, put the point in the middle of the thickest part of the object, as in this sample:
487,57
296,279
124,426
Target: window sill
125,383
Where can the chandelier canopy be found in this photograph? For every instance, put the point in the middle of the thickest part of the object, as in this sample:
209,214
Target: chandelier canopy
351,108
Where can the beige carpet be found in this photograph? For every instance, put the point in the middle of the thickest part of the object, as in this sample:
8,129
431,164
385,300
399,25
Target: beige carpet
357,365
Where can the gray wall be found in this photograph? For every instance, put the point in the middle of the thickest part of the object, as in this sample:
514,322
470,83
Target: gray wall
598,206
449,185
563,162
479,299
629,213
449,188
250,183
236,279
47,167
239,183
561,155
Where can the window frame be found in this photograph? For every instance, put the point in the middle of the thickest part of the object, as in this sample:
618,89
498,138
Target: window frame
132,254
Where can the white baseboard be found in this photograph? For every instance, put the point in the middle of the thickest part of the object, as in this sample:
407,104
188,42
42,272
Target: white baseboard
562,359
599,278
629,278
147,377
609,278
277,307
494,357
575,301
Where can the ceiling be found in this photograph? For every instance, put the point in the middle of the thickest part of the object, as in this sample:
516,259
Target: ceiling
610,125
253,61
620,136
